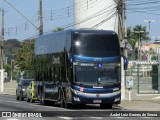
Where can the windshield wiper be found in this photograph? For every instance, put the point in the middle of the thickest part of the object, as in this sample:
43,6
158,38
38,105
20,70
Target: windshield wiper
108,82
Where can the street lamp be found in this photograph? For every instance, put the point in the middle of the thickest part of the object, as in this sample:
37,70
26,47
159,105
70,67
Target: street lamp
149,22
139,44
157,49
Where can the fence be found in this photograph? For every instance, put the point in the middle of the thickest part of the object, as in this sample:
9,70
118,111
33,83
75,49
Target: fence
144,75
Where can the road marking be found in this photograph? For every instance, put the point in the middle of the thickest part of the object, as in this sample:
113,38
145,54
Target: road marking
13,102
12,119
66,118
156,98
120,117
98,118
9,101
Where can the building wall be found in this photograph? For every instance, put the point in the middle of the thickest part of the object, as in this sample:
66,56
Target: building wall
147,47
96,14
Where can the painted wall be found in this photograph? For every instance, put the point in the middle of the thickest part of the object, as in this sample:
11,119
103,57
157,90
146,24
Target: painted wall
96,14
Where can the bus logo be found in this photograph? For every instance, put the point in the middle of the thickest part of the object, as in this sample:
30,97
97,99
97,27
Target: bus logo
97,59
97,95
81,89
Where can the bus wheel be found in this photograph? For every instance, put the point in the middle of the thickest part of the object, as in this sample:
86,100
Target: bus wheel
43,101
67,105
62,103
106,106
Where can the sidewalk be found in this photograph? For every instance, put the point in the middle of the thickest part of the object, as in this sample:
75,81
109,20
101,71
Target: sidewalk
10,87
141,102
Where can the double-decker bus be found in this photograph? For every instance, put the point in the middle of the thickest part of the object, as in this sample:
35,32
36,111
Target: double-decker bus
79,67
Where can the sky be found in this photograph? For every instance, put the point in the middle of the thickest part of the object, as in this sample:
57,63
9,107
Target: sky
59,13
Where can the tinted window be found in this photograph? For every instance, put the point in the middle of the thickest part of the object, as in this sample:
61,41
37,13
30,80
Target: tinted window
26,82
92,75
96,45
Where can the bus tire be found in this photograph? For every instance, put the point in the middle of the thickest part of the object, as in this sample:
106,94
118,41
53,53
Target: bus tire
106,106
67,105
62,103
42,100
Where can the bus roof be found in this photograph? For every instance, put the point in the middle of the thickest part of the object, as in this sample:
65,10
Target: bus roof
45,44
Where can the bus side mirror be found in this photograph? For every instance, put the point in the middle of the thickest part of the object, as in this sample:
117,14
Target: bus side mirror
70,58
125,62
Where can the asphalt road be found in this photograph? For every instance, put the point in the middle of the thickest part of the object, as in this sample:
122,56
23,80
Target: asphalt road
9,104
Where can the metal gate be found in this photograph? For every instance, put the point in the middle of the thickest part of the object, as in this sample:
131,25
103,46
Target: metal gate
145,76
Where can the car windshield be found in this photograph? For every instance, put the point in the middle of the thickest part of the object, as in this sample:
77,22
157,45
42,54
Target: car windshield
26,82
97,74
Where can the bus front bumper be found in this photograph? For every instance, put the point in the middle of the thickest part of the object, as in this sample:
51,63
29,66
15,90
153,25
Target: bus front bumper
96,98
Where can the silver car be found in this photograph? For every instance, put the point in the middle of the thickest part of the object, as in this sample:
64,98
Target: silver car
21,88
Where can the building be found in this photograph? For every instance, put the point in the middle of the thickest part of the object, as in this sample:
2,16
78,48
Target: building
149,46
96,14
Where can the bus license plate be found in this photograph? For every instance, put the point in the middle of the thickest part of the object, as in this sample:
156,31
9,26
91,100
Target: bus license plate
97,101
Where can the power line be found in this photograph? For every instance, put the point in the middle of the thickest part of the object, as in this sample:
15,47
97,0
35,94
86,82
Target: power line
21,14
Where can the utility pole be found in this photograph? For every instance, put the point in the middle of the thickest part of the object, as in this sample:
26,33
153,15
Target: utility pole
121,34
2,54
2,40
41,18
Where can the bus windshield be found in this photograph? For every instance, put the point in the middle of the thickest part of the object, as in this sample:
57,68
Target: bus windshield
96,45
95,74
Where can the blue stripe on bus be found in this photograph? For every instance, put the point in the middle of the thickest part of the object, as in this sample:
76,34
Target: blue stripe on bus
96,59
94,90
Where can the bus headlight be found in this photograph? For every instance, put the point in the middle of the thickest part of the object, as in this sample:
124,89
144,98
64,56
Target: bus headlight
117,99
76,99
116,92
76,92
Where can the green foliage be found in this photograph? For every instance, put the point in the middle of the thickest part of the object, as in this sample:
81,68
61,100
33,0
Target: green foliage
10,48
25,56
133,38
154,58
58,29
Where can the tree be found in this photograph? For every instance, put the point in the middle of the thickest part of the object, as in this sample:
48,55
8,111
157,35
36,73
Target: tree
25,56
58,29
133,38
11,46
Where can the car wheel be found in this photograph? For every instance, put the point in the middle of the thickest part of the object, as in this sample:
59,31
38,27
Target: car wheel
17,97
28,100
21,96
32,101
